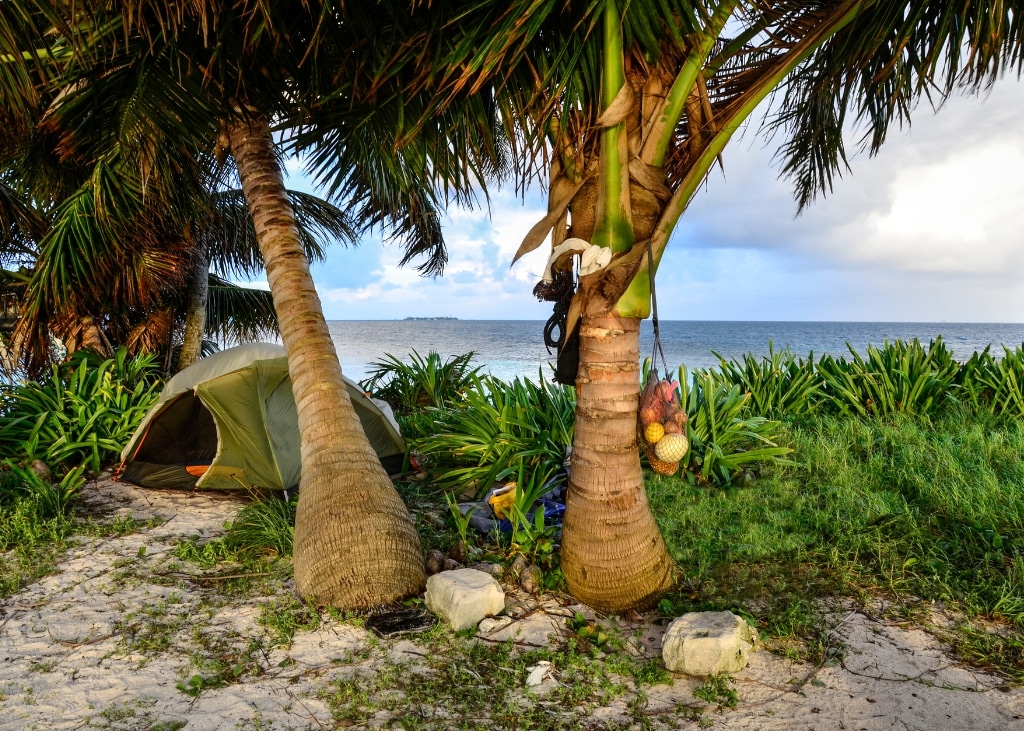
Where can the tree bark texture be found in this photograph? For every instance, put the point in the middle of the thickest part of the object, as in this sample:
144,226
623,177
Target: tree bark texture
355,544
613,555
195,313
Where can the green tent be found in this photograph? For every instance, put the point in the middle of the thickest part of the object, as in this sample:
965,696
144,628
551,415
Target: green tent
229,422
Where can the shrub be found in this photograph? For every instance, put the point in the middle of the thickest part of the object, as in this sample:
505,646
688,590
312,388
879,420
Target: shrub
899,377
265,526
994,385
32,510
725,436
422,383
495,427
83,414
778,384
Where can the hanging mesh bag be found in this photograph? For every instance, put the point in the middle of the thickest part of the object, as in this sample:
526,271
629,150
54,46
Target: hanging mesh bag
661,425
661,420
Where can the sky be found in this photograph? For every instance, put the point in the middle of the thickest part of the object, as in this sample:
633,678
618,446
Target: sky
929,230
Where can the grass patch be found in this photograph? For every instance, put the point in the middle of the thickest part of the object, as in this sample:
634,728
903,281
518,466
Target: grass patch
152,629
253,556
283,618
718,690
917,509
35,522
460,683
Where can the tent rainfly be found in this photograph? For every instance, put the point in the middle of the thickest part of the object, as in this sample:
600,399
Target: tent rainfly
229,422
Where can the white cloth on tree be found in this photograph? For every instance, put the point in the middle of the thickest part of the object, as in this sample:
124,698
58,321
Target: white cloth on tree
592,258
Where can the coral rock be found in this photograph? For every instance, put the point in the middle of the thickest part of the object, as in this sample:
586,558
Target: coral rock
464,597
706,643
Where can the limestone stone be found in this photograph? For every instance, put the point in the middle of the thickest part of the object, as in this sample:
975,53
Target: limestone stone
706,643
463,597
490,625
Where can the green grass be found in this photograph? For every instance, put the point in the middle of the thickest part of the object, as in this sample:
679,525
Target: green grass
459,683
918,510
35,522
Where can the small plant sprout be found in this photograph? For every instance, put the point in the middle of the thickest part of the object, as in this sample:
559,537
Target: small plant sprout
460,518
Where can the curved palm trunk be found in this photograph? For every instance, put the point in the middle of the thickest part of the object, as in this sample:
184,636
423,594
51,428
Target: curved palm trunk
613,555
195,313
355,544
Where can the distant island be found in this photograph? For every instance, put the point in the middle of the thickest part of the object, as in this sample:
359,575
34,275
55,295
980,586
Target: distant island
446,317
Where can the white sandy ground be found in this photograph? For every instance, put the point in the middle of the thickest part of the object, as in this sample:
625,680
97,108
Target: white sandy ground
63,662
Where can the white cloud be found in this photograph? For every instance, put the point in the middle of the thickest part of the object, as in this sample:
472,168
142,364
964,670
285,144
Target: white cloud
953,216
477,284
928,230
931,227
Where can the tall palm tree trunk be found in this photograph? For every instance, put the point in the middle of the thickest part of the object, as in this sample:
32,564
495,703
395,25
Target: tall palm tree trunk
613,555
355,544
195,313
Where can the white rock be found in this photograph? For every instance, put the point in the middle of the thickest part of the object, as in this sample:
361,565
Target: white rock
705,643
493,624
537,673
463,597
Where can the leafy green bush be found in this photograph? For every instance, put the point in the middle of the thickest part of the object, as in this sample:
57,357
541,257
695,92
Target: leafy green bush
899,377
51,500
33,511
263,527
779,384
421,383
994,385
83,414
725,436
495,427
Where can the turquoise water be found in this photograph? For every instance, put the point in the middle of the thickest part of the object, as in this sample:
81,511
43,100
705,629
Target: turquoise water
509,348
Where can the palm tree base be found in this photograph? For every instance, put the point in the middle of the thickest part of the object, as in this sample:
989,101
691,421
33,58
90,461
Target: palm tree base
355,564
613,556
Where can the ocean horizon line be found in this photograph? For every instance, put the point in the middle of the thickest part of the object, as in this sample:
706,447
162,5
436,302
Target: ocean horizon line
662,319
516,347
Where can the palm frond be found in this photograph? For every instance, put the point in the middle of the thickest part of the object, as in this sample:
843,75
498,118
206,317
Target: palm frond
877,70
228,235
21,226
237,314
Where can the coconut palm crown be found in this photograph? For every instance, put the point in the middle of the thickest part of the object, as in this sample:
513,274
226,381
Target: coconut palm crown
625,106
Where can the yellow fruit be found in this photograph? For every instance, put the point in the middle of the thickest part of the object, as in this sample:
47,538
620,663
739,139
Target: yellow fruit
654,432
662,468
671,447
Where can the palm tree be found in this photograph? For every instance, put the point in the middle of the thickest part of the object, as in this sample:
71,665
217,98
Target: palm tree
627,105
189,79
226,242
141,312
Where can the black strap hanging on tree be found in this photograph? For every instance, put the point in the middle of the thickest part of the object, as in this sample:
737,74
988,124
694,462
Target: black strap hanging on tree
560,291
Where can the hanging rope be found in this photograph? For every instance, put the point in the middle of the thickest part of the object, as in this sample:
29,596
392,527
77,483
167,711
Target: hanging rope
559,290
657,349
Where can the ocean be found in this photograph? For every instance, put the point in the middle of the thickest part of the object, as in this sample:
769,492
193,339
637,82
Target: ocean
510,348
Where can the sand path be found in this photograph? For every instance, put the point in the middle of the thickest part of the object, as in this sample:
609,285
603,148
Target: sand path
74,652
